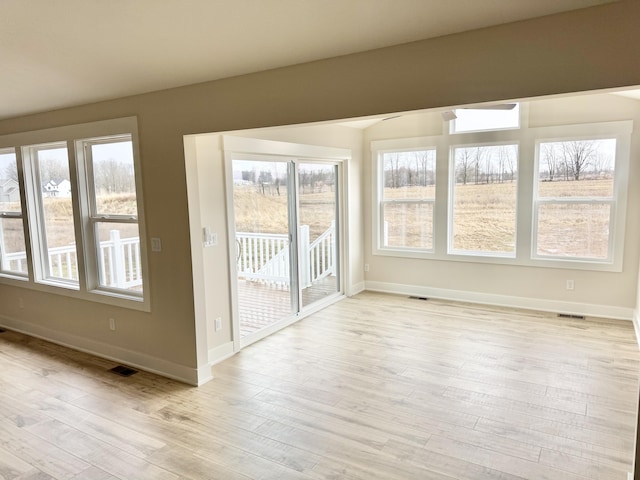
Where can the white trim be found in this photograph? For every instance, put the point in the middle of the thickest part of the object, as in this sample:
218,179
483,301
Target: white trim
539,304
287,149
142,361
204,374
636,325
220,353
355,289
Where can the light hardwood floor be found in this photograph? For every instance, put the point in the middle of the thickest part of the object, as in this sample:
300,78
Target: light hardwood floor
375,387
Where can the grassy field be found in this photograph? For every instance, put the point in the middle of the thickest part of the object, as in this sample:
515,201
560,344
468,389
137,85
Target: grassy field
255,212
484,217
59,221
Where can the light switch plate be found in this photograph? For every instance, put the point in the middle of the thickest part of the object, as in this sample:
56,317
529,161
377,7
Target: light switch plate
156,244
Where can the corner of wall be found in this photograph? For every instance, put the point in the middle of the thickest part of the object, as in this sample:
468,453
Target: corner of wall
148,363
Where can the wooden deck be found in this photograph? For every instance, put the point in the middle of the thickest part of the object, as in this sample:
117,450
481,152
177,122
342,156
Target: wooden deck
375,387
262,305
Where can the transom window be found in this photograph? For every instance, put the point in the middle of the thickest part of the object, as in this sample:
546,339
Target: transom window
485,118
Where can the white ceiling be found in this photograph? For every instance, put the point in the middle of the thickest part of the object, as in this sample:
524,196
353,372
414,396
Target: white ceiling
70,52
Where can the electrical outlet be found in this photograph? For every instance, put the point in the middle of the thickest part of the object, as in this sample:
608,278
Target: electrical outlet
570,285
218,324
112,324
366,267
21,302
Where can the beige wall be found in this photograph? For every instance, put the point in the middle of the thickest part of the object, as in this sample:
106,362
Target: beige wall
577,51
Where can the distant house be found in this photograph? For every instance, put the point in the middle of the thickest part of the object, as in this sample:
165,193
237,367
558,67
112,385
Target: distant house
9,191
60,188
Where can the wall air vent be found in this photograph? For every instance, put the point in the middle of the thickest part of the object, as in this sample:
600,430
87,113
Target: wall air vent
123,371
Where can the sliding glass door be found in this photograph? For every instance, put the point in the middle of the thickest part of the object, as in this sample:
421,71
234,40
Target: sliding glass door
286,235
317,231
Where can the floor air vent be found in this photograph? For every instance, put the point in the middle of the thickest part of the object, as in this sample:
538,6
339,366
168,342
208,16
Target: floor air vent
566,315
418,298
123,371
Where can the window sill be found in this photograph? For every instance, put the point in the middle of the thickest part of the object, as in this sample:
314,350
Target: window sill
565,264
131,302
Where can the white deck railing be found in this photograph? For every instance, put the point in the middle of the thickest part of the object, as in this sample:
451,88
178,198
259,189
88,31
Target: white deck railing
261,257
118,262
265,257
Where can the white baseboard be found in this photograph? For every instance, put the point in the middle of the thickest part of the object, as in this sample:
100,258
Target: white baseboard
556,306
355,289
130,358
636,325
205,374
220,353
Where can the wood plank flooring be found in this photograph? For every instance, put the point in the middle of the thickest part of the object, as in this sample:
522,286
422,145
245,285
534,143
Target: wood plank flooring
375,387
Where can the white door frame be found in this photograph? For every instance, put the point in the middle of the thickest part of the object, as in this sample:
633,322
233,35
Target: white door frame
252,148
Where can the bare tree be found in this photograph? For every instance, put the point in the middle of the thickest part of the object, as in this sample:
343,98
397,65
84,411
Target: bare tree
10,172
423,167
577,155
464,162
53,169
602,164
508,162
552,160
481,156
392,175
112,176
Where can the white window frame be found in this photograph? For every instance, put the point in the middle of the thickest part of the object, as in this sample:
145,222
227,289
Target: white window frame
36,218
91,216
526,139
521,117
616,202
405,201
88,285
451,203
15,215
379,148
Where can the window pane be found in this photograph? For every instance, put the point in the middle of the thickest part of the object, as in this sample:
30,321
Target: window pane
574,230
484,207
114,178
580,168
9,190
409,174
14,256
118,255
59,235
504,116
408,225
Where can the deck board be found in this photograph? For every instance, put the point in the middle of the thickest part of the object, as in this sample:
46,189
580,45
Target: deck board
263,304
